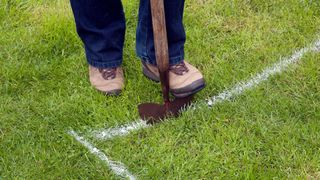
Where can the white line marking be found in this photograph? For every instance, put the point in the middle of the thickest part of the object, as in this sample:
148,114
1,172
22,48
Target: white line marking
117,167
238,89
120,131
263,76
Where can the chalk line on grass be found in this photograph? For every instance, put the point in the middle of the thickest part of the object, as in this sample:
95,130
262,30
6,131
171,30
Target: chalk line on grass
236,90
242,86
120,131
117,167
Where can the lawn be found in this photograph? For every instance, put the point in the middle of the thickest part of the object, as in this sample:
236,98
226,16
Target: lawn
269,132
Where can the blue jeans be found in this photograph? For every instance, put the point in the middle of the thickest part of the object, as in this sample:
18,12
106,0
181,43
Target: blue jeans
101,27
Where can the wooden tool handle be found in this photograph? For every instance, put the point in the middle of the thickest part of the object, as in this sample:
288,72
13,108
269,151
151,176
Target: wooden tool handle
161,45
160,34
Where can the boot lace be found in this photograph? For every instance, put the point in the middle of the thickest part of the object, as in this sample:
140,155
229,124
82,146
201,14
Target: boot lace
179,69
108,73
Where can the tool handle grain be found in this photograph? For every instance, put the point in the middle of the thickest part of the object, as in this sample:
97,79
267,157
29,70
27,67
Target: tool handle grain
160,34
161,45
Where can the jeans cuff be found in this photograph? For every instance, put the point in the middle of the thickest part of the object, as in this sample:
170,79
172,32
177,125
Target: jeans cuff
172,60
100,64
176,60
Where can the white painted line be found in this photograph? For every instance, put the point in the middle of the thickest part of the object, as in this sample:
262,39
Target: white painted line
117,167
236,90
120,131
242,86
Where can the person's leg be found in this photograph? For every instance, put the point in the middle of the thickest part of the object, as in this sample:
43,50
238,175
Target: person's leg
101,26
175,32
184,79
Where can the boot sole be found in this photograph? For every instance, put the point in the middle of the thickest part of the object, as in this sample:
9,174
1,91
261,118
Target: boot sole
191,89
116,92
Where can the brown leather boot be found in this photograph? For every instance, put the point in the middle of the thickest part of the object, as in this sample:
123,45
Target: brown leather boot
185,79
107,80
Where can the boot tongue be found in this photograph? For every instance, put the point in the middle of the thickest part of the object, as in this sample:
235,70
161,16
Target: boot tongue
179,69
108,73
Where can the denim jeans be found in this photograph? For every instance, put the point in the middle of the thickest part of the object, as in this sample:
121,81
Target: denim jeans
101,26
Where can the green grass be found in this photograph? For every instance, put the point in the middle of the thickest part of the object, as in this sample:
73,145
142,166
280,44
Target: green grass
269,132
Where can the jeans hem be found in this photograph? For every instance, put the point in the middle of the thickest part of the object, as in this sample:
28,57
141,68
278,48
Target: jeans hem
172,60
109,64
